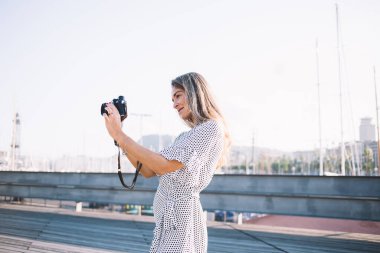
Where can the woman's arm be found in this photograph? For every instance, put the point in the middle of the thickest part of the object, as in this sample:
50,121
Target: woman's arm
153,162
145,171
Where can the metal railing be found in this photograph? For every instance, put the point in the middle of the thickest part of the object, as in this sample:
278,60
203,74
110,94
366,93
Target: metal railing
334,197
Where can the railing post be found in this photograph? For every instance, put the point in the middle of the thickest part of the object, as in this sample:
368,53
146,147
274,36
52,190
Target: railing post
78,207
240,219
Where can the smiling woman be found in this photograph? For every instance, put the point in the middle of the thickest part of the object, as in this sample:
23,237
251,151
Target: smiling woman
185,168
180,103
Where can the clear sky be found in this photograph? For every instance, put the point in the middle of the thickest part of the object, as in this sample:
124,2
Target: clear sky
59,60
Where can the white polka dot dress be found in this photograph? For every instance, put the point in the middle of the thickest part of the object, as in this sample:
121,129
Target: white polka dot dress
180,222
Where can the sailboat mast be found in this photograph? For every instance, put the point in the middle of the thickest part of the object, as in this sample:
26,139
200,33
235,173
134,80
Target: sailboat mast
253,154
342,153
319,111
377,118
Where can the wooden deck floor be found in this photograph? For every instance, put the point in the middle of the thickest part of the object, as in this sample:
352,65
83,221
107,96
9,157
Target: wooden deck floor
41,229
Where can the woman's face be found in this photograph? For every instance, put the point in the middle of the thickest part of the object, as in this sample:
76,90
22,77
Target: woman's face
180,103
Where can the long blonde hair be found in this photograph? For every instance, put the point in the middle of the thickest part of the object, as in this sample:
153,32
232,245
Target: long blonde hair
202,106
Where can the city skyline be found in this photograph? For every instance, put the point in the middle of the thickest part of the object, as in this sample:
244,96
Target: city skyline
61,60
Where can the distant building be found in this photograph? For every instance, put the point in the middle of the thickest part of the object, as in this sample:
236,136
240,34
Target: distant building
156,142
3,158
367,130
3,154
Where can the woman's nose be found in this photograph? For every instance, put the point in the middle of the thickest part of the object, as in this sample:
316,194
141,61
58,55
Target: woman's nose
175,104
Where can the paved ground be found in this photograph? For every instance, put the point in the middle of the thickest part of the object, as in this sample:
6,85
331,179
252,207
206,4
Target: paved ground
341,225
43,229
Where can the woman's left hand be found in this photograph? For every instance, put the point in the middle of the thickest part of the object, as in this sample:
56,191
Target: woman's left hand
112,120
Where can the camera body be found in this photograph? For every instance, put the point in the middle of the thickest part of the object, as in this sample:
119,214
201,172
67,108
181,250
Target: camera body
121,106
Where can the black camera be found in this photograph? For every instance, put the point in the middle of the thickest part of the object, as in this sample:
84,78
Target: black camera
121,106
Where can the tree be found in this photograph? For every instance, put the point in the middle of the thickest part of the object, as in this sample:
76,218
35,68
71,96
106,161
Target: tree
284,165
368,161
275,167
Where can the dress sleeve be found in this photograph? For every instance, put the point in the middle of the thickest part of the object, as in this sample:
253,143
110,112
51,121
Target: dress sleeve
198,146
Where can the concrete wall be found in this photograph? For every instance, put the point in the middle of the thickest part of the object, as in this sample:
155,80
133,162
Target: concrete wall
335,197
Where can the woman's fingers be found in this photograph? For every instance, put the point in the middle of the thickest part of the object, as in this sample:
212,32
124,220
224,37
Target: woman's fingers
111,109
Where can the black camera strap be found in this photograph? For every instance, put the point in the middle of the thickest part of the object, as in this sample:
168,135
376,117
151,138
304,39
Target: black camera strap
129,187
